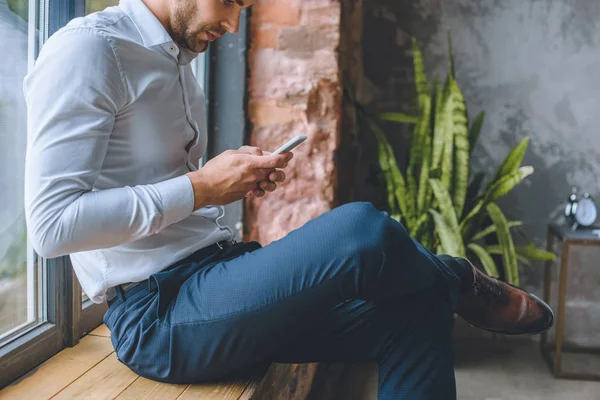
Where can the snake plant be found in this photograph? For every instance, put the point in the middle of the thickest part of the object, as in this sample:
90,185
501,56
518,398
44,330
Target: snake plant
436,199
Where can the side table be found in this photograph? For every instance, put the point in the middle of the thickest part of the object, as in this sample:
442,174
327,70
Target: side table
568,237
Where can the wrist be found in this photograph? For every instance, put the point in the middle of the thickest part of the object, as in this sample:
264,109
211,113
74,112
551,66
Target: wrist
197,186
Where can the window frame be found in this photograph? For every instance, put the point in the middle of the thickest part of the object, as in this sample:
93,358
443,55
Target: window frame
223,75
226,82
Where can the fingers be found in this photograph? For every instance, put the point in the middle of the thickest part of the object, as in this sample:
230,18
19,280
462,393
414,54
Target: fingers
267,186
255,193
277,176
271,161
252,150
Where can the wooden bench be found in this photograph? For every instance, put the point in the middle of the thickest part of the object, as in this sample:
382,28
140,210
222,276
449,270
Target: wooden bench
91,370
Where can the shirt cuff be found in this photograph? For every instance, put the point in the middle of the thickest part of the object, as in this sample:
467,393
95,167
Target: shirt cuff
177,196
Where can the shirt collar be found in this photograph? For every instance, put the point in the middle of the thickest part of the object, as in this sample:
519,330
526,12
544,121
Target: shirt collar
150,28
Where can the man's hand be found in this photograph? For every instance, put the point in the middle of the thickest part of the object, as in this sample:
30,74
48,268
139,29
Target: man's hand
235,174
274,176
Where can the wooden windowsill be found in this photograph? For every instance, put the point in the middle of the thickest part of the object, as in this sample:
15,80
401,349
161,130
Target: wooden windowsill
91,370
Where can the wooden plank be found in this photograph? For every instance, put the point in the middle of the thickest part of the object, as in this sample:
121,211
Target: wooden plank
249,391
105,381
224,390
144,388
58,372
102,330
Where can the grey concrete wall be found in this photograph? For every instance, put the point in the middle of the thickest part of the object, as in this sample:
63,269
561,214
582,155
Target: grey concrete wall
532,65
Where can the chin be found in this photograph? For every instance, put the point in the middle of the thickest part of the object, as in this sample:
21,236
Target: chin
200,46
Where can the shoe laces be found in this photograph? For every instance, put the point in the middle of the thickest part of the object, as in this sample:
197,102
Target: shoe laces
486,289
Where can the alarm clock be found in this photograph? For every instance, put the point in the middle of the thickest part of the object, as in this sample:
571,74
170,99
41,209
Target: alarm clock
571,203
580,211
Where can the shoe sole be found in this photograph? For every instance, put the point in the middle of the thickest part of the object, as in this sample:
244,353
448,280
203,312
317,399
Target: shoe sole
524,333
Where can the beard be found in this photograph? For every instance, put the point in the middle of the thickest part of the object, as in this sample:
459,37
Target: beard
186,27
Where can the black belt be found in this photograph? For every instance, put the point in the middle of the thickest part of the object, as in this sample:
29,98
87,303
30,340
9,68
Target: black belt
128,289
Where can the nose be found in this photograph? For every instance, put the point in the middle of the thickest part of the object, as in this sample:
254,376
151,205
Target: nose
232,23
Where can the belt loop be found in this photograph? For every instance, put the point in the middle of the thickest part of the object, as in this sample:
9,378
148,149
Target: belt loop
120,292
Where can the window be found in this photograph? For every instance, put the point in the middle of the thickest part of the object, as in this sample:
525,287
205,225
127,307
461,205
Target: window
42,307
92,6
20,274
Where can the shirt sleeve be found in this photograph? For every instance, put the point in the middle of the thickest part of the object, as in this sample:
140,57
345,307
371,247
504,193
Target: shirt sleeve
73,95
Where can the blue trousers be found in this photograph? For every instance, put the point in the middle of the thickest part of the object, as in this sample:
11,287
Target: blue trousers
349,286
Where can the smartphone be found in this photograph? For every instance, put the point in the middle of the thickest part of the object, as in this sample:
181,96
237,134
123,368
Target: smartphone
291,144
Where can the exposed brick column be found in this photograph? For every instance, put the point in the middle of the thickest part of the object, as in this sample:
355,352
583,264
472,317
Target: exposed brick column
295,89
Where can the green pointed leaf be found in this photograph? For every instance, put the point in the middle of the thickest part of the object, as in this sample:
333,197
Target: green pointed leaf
399,117
420,78
487,262
451,55
400,190
476,210
507,183
497,250
523,260
513,160
445,203
420,143
424,187
533,253
475,131
440,116
414,231
447,161
492,229
461,149
509,255
449,239
395,180
473,193
475,185
494,249
389,180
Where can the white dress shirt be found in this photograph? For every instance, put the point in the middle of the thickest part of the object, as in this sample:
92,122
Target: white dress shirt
115,121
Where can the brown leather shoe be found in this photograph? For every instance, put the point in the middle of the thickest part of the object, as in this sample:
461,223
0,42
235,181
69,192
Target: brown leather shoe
499,307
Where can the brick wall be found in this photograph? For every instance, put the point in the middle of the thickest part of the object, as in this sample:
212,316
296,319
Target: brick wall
294,89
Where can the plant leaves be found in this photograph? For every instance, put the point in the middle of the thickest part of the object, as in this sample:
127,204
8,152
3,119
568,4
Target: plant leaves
447,160
439,118
497,250
424,188
509,255
414,231
492,228
400,191
487,262
507,183
418,148
533,253
445,203
475,185
464,224
461,149
421,84
449,239
389,180
399,117
475,130
513,159
473,193
451,55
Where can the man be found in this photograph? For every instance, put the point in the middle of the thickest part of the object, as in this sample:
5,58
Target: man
117,127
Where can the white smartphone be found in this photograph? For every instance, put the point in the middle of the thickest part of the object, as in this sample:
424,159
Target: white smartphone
291,144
